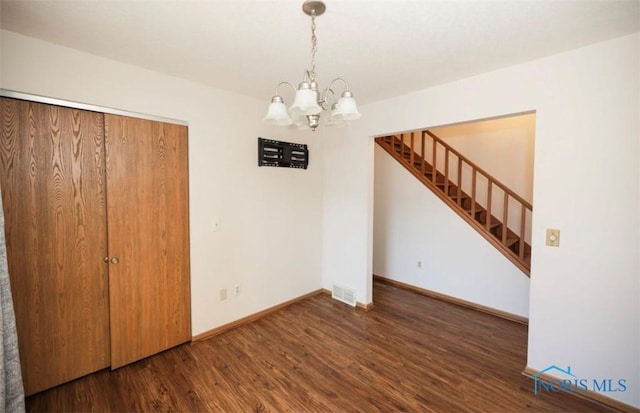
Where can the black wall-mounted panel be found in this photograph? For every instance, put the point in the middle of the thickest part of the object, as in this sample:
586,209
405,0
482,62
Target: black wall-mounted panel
282,154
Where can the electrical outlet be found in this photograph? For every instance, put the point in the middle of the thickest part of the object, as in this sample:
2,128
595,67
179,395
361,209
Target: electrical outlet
553,237
223,294
236,289
419,264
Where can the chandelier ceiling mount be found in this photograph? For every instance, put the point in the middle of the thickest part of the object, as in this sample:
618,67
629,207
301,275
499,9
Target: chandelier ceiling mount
313,8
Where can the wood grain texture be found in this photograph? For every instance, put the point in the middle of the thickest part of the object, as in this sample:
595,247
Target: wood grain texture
410,353
148,225
52,178
453,300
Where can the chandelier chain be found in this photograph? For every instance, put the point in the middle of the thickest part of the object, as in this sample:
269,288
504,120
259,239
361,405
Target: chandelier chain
314,47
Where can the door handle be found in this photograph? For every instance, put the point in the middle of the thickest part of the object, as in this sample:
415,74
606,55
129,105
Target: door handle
115,260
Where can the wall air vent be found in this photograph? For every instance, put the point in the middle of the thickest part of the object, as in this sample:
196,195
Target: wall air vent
345,294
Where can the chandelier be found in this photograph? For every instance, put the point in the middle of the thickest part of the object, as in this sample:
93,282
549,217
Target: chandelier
309,102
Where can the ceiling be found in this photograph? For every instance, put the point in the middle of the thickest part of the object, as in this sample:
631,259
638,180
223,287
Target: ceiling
384,48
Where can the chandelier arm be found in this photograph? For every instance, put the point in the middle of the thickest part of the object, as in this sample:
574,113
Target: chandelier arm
285,83
346,85
324,102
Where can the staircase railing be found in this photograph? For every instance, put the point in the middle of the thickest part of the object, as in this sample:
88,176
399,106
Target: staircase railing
494,210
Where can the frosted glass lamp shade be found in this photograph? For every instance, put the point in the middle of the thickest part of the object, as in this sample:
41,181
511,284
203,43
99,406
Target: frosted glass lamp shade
306,101
299,122
277,113
333,121
346,108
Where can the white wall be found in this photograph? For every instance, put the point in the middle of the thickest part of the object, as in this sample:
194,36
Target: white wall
347,209
584,299
412,224
271,218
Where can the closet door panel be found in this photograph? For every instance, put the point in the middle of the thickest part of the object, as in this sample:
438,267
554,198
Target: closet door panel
52,180
147,207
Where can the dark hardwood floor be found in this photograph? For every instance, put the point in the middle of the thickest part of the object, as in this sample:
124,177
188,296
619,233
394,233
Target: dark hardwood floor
410,353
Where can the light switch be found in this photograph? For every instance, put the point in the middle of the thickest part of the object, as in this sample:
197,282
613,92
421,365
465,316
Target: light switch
215,225
553,237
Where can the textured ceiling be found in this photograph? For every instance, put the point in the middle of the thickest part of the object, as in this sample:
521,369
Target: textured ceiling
384,48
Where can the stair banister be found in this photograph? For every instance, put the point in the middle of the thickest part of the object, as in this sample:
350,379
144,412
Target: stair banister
497,230
482,171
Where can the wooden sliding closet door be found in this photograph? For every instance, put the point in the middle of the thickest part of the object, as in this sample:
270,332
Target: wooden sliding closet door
53,189
147,209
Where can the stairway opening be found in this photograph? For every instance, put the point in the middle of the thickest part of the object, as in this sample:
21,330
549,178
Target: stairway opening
416,240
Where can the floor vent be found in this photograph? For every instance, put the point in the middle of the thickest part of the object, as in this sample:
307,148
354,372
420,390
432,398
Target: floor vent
345,294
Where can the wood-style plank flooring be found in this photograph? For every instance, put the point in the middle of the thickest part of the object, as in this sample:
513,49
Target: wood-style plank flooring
410,353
